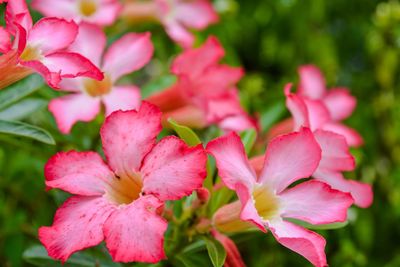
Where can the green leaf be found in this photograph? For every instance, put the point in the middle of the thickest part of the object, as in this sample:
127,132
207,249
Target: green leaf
216,251
37,255
272,115
26,130
22,109
248,139
329,226
20,90
185,133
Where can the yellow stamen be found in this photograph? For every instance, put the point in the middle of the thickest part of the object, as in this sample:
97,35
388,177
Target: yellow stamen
88,7
98,88
125,188
265,201
30,53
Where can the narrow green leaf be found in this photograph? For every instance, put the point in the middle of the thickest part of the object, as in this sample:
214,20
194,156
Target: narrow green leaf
26,130
22,109
272,115
20,90
185,133
248,139
216,251
329,226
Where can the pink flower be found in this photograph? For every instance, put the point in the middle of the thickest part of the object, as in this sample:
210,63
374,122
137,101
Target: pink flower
205,92
120,201
233,257
130,53
99,12
266,200
178,16
40,48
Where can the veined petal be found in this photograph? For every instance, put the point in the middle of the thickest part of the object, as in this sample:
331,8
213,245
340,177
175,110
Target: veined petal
312,82
128,54
80,173
173,170
71,65
89,35
78,224
302,241
335,152
315,202
135,232
353,138
128,136
289,158
122,98
340,103
50,35
233,165
193,62
361,192
70,109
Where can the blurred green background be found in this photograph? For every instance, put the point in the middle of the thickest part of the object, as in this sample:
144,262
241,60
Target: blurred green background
356,44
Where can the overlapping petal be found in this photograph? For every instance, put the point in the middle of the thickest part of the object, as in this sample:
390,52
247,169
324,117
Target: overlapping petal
312,82
122,98
340,103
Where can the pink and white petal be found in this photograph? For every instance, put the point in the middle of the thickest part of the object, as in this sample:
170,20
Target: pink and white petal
297,107
71,65
335,152
80,173
289,158
318,114
72,84
361,192
238,123
302,241
5,41
78,224
128,136
315,202
52,34
61,8
179,34
106,14
173,170
284,127
233,257
197,14
232,163
193,62
340,103
52,78
88,35
312,82
122,98
222,106
352,137
249,211
17,12
70,109
128,54
135,232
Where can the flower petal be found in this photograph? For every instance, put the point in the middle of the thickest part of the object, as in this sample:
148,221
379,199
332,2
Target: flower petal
340,103
173,170
297,108
80,173
52,78
135,232
70,109
196,14
61,8
289,158
353,138
315,202
233,257
106,13
88,35
361,192
71,65
52,34
128,54
302,241
312,82
128,136
233,165
318,114
5,41
179,34
78,224
17,12
238,123
122,98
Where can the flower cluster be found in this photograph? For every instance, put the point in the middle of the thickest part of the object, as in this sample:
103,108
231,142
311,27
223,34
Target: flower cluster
129,198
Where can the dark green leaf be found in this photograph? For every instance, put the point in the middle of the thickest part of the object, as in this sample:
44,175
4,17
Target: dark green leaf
26,130
329,226
216,251
20,90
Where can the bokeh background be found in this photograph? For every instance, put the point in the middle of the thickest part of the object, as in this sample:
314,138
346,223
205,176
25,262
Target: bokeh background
356,44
